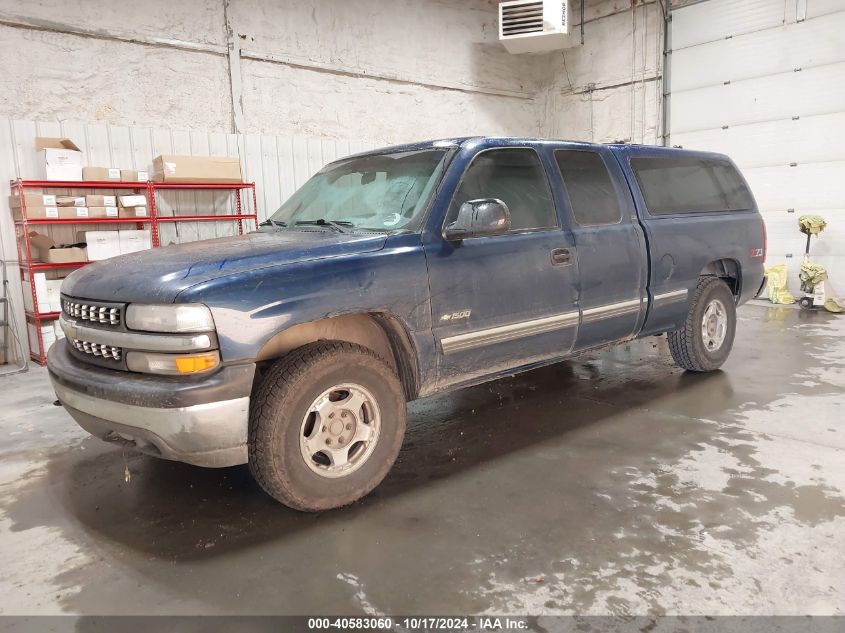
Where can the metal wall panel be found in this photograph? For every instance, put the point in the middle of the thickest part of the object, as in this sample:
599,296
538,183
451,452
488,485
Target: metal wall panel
804,140
808,186
818,8
809,92
277,164
762,81
772,51
718,19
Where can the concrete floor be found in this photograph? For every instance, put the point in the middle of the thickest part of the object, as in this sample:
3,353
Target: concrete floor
613,484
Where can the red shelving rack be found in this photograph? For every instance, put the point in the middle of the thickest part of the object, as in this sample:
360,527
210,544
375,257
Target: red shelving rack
235,187
28,266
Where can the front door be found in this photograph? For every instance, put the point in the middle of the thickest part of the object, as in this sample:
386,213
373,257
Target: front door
611,247
509,300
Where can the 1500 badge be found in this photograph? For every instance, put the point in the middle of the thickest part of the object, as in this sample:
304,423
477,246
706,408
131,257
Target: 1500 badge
463,314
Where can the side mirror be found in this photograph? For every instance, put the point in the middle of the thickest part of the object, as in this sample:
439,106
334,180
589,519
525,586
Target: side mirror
485,216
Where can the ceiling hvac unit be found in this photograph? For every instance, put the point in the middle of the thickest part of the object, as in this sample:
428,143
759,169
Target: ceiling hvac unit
534,26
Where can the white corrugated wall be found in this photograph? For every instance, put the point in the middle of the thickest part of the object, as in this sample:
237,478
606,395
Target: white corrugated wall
764,82
277,164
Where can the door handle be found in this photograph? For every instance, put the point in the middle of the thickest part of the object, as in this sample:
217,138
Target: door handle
562,257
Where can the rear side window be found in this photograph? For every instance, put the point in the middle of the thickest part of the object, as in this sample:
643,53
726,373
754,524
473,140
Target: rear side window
591,193
690,185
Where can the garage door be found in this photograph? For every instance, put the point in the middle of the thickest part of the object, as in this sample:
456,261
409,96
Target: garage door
764,82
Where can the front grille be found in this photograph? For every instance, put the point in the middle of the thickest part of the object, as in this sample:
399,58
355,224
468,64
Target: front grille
98,349
93,313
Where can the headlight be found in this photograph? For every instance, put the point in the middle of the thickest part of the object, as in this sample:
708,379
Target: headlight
149,363
186,317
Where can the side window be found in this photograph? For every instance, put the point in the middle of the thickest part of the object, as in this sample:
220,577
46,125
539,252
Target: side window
690,185
514,176
591,192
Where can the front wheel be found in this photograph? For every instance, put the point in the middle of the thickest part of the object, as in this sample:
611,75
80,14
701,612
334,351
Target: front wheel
326,425
705,339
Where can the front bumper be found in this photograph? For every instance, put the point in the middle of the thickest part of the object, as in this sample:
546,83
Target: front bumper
201,421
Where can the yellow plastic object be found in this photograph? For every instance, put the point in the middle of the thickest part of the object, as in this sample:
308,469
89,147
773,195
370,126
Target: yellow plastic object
832,305
811,224
196,362
778,292
812,274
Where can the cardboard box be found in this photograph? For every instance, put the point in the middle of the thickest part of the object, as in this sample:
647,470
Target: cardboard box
100,173
132,201
134,212
196,169
53,213
102,244
33,200
103,212
40,292
54,295
70,201
133,240
133,175
72,213
58,159
37,213
48,336
96,200
46,250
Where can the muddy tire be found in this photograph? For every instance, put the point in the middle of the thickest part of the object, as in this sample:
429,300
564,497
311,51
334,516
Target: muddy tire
706,337
326,424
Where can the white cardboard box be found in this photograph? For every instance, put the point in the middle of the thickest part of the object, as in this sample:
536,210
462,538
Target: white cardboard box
48,335
132,201
54,295
41,293
58,159
102,244
60,172
134,240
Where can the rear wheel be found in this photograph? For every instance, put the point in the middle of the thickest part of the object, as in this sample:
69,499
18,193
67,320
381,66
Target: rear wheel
705,340
326,425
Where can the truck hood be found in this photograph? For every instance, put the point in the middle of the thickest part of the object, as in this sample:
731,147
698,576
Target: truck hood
159,275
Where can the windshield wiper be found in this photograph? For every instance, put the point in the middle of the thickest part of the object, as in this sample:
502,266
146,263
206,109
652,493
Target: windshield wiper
273,223
336,225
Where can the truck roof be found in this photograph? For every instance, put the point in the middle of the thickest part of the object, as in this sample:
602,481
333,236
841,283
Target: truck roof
504,141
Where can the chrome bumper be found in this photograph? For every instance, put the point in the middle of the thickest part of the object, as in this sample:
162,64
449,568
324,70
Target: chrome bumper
212,434
203,422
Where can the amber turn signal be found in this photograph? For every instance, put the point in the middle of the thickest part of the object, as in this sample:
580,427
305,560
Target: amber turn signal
196,362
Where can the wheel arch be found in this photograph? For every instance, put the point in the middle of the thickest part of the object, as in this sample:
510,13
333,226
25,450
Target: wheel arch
727,269
382,332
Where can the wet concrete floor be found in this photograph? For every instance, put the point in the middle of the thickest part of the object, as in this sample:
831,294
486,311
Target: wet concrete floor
610,484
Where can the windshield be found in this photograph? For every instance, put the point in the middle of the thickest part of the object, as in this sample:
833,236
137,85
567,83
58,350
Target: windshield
382,192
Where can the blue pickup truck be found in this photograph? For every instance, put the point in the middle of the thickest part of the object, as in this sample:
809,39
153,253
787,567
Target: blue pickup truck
395,274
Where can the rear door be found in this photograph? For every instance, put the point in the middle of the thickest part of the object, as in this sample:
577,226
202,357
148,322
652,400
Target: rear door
611,249
501,301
